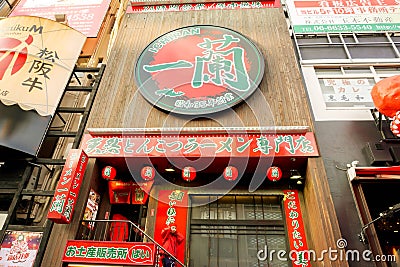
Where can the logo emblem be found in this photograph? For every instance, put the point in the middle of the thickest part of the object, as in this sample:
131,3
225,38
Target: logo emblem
199,70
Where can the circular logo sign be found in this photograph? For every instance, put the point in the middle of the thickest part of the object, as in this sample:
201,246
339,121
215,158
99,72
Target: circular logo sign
199,70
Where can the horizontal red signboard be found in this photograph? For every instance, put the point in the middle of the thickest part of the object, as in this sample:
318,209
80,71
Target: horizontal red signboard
121,253
204,145
66,194
202,6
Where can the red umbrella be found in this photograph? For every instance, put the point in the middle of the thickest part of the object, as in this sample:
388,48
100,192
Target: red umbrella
386,95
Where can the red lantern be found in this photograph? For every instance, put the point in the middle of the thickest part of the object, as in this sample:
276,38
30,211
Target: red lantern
148,173
274,173
188,174
109,173
395,124
386,95
230,173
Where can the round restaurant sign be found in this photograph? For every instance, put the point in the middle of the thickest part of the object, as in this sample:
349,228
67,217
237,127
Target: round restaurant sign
199,69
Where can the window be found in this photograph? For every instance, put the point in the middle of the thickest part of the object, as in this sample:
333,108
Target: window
345,46
230,230
343,92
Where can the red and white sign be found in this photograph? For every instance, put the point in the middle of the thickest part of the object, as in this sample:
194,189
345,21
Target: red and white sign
148,173
274,173
118,253
172,210
344,16
37,57
84,16
204,145
295,228
162,7
230,173
66,193
188,174
19,248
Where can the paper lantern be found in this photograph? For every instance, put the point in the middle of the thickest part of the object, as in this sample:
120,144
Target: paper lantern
188,174
395,124
386,95
109,173
274,173
148,173
230,173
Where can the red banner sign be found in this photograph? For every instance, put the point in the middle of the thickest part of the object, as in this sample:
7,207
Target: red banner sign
205,145
295,228
172,211
203,6
66,194
121,253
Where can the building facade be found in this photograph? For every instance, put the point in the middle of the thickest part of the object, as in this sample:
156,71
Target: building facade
267,173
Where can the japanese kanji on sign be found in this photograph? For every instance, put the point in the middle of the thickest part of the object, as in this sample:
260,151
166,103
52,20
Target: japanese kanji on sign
37,57
295,228
172,209
254,145
215,69
66,193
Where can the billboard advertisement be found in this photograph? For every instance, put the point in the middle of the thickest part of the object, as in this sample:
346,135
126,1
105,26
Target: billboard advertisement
84,16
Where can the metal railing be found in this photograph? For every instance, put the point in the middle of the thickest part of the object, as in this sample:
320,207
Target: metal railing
103,230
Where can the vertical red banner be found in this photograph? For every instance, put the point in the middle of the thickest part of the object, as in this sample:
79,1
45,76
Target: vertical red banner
295,228
66,193
172,211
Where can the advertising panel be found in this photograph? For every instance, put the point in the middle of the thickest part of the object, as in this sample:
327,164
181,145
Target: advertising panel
67,191
344,16
172,210
252,145
19,248
295,227
163,6
119,253
84,16
37,57
218,69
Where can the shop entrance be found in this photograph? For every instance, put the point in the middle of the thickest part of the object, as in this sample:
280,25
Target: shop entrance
230,230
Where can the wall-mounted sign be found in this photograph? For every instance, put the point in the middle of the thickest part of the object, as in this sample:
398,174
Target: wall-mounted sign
344,16
295,227
118,253
172,210
19,248
37,57
252,145
92,207
163,6
84,16
66,194
199,70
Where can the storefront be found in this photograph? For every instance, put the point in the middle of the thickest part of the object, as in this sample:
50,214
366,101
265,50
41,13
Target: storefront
207,128
198,180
